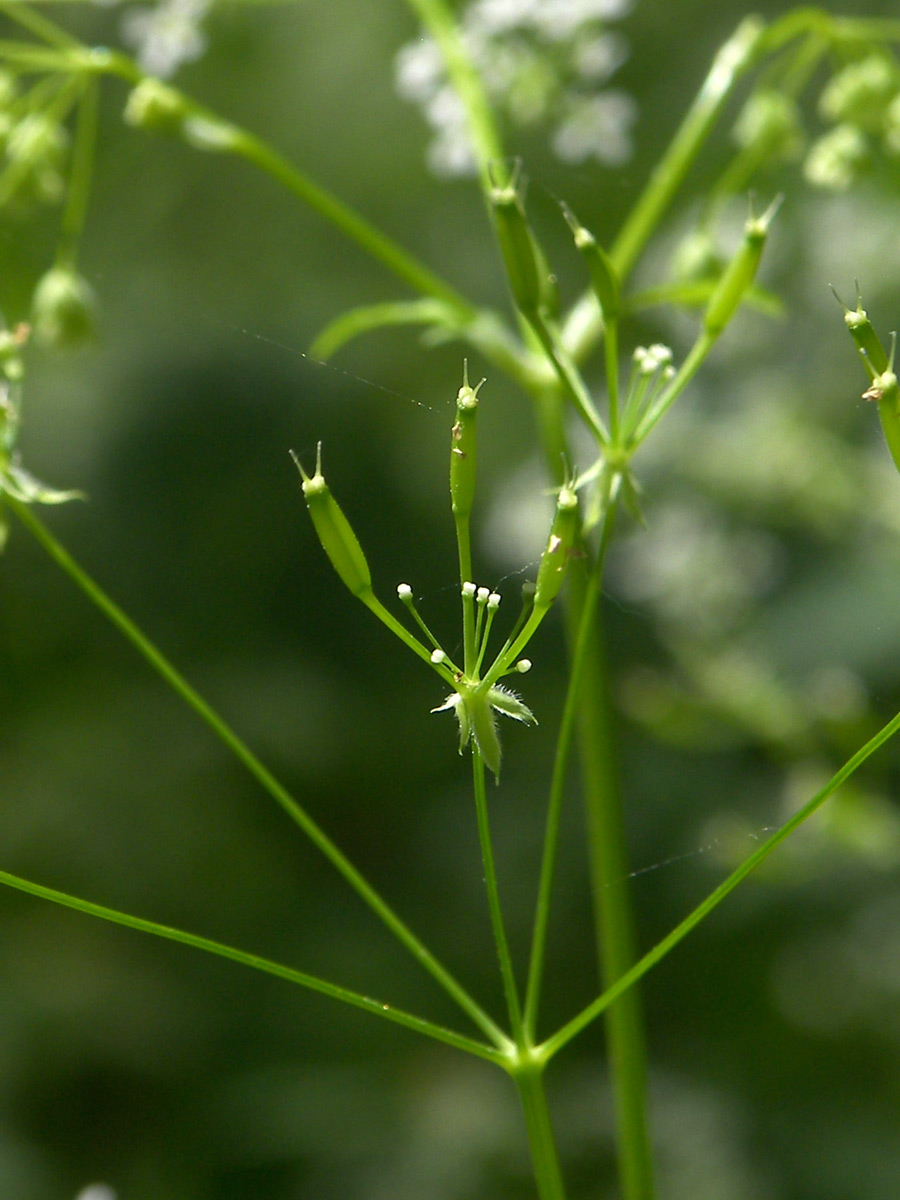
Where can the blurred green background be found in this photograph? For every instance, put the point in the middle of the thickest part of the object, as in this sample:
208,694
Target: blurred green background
753,629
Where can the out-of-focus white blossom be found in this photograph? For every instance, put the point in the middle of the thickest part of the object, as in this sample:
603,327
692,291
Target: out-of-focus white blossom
597,127
166,35
540,60
96,1191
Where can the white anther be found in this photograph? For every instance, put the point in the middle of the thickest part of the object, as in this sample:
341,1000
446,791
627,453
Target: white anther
437,656
494,600
468,589
523,665
404,591
483,594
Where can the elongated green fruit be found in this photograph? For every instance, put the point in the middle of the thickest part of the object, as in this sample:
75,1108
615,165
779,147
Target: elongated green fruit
559,548
518,248
463,450
740,273
338,540
879,366
871,349
604,277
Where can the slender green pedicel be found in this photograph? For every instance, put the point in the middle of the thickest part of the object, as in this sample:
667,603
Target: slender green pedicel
338,540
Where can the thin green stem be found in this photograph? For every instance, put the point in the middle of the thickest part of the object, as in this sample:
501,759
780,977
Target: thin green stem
570,1030
529,1081
569,377
264,777
80,175
438,19
611,357
584,323
403,264
490,879
24,15
612,904
464,548
376,1007
560,764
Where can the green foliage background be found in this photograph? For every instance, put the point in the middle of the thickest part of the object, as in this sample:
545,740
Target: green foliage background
774,1032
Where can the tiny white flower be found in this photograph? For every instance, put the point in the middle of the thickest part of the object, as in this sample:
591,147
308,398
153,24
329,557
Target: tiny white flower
597,127
96,1191
166,35
437,656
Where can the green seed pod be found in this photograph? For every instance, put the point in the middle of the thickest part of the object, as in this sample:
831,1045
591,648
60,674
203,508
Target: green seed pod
740,273
559,548
604,277
871,349
518,248
155,106
463,456
63,309
334,531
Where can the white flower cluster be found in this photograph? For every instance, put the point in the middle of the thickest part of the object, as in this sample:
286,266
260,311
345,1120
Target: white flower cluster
540,60
166,35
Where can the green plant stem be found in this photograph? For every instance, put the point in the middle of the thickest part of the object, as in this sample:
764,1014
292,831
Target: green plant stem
24,15
490,879
570,1030
264,777
439,20
345,995
610,872
584,323
80,176
529,1081
560,764
372,240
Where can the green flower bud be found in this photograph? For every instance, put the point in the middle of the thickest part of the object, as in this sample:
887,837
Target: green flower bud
861,92
35,150
835,159
63,309
769,124
696,257
8,89
559,549
531,284
334,531
604,277
155,106
739,275
463,457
